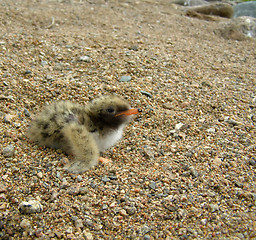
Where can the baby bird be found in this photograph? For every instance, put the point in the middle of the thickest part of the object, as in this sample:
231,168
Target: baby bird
83,131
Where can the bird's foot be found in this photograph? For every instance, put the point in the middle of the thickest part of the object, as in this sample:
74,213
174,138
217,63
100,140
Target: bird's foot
104,160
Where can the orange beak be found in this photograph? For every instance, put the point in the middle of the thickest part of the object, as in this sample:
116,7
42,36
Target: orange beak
129,112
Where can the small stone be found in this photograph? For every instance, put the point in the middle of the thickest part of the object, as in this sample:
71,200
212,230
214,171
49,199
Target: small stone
217,161
87,235
27,72
147,237
73,190
98,227
213,207
31,206
211,130
58,67
8,151
39,233
231,121
168,106
238,184
184,104
44,63
83,190
79,223
25,224
104,207
2,196
134,48
253,196
3,206
123,212
152,185
131,210
3,188
145,229
194,172
105,179
148,153
85,59
179,126
26,112
89,222
203,221
49,77
58,234
125,79
69,230
40,174
79,178
252,162
8,118
146,94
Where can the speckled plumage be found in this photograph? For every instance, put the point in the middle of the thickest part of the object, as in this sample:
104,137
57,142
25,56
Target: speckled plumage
83,131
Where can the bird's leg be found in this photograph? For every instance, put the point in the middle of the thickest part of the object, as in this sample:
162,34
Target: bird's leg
82,145
105,160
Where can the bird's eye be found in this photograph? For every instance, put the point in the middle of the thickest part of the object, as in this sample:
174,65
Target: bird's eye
110,110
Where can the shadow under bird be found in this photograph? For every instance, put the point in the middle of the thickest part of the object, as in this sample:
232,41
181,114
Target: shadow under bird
83,131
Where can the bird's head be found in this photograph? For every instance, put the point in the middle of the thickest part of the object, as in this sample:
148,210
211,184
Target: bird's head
111,111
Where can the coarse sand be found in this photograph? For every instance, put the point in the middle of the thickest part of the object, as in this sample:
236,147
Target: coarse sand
185,168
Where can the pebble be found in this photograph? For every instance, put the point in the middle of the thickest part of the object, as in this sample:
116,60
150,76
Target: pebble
40,174
125,79
148,153
179,126
152,185
131,210
146,237
134,48
213,207
79,178
217,161
73,190
8,151
87,235
3,188
83,190
26,112
123,212
231,121
79,223
252,162
8,118
85,59
145,229
44,63
105,179
31,206
58,67
194,172
27,72
25,224
203,221
211,130
146,94
168,106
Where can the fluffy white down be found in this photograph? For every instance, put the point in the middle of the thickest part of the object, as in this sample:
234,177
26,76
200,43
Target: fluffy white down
107,141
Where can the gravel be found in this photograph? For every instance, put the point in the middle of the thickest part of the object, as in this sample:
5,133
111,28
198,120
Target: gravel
185,168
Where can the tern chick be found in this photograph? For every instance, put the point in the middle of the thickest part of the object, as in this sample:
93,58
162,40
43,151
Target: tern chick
83,131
